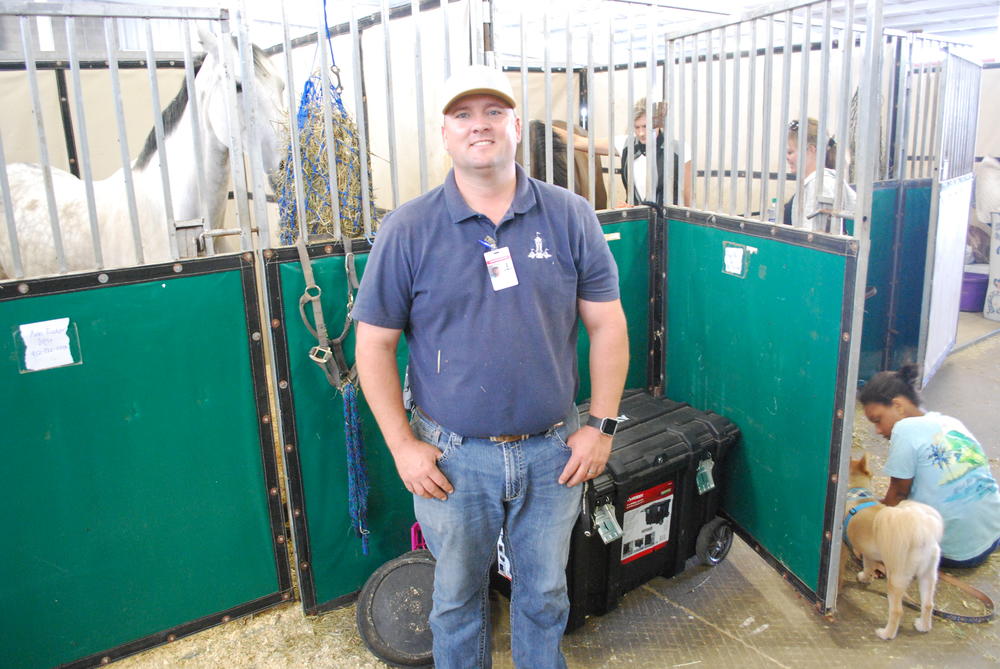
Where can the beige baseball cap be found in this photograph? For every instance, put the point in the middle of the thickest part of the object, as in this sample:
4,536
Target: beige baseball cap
477,80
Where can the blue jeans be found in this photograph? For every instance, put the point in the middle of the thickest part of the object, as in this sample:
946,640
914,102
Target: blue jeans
513,486
972,561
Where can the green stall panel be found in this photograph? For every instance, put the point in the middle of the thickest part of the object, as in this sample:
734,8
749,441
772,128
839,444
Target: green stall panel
332,566
895,283
629,235
136,502
755,317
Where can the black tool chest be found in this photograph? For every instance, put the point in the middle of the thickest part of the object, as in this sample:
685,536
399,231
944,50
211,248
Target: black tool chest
661,488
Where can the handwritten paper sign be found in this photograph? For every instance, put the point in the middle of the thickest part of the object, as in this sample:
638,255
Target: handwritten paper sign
46,344
734,260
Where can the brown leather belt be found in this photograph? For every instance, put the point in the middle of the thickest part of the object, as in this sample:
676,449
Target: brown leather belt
502,438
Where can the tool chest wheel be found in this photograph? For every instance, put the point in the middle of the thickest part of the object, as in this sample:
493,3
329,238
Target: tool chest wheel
714,541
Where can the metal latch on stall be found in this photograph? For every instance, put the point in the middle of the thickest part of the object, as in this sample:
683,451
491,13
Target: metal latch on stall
704,478
606,523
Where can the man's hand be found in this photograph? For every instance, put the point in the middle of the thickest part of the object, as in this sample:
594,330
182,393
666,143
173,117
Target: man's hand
591,450
416,462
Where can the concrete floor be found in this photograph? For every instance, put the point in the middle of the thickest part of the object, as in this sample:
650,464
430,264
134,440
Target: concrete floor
738,614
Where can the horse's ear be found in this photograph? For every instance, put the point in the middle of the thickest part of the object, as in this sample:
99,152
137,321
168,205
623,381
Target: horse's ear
208,41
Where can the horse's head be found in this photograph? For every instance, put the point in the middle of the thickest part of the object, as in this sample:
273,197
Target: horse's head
267,100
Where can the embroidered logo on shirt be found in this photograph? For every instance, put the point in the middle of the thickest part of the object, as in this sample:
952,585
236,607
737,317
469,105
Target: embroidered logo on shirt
539,253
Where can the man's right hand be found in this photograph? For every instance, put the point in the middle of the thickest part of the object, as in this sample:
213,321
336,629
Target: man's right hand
416,462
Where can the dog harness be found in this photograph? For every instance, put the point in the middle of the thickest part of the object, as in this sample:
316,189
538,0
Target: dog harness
852,495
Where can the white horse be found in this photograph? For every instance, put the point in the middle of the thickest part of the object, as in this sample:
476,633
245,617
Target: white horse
28,195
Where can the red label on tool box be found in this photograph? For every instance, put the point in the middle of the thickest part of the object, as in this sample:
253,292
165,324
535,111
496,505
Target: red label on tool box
646,525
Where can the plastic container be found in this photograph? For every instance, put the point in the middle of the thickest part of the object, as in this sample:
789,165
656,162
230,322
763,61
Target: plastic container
973,291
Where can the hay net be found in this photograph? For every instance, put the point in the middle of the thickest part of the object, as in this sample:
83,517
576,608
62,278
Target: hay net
319,216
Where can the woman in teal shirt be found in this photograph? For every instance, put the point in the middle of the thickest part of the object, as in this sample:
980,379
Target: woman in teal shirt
934,459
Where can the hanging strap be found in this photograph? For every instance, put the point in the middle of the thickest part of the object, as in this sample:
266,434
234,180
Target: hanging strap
327,353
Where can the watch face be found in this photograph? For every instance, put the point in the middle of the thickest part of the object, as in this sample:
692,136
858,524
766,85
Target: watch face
609,426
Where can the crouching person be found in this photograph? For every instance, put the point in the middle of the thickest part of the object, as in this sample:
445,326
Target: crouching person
487,275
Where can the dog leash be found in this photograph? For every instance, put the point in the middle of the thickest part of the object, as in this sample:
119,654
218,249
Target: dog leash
964,587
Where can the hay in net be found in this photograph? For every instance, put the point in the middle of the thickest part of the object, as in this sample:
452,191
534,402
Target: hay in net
319,215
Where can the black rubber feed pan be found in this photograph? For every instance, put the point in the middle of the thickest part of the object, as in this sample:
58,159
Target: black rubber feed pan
394,609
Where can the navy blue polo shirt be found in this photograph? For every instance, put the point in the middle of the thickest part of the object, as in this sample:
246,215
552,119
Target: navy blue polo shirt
486,362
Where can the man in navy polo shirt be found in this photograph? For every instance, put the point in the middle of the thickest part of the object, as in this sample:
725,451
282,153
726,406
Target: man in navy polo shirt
487,275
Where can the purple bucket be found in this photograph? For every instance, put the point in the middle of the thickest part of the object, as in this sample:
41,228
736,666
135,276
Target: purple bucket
973,291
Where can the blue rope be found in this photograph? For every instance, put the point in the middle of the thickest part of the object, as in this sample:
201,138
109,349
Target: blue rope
357,476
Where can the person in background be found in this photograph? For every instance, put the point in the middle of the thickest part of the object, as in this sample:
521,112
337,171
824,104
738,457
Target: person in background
934,459
638,155
811,213
488,275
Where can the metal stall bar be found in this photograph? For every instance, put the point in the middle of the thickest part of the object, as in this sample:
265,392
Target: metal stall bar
767,213
709,113
300,205
327,101
803,118
906,152
821,139
546,66
737,116
926,161
612,159
446,36
570,124
8,207
359,102
591,149
845,101
88,176
723,66
237,168
786,87
418,82
258,179
652,131
933,117
682,133
695,59
197,141
525,126
751,118
111,42
868,134
161,148
390,110
670,136
630,138
28,46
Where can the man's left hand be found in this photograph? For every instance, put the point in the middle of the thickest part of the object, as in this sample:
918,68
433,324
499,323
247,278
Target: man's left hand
591,450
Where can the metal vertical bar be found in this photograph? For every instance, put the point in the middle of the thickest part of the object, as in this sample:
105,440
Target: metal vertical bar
845,104
359,102
612,158
695,100
669,129
630,97
446,36
199,161
88,177
737,115
28,47
652,177
723,67
765,150
389,104
237,167
927,161
546,65
301,222
786,88
934,114
821,140
8,208
802,138
709,115
570,129
917,128
418,82
111,43
327,101
525,114
907,159
161,147
255,127
751,118
591,153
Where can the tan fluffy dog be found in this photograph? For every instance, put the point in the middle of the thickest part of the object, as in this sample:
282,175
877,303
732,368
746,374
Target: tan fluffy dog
902,541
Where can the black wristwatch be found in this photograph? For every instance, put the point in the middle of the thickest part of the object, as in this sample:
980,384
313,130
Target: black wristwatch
607,426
